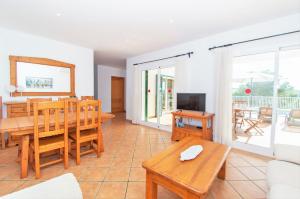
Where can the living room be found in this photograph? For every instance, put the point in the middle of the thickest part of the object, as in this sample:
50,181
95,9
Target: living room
195,101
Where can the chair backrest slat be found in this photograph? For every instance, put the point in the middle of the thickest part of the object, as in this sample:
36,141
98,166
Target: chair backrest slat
86,109
56,114
93,115
47,119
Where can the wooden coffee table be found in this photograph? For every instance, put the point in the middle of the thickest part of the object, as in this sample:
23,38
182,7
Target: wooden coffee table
189,179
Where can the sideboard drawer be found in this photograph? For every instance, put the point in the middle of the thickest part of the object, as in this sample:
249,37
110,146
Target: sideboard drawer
16,109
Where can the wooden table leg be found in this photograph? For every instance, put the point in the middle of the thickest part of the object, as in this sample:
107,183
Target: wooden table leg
2,140
24,155
151,187
222,172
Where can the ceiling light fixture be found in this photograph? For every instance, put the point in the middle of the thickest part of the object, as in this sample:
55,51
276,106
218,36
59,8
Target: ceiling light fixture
171,21
58,14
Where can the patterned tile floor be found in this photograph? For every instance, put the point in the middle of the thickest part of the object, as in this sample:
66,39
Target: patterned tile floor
118,174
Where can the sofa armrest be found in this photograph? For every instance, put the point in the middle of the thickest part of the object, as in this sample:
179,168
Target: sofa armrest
289,153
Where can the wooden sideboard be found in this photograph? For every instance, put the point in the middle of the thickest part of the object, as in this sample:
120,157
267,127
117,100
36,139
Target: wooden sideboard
16,109
204,131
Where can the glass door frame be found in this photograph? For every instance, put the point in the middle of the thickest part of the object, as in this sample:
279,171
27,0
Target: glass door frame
268,151
157,125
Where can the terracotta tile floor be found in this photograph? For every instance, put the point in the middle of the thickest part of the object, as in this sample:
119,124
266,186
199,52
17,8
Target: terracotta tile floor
118,174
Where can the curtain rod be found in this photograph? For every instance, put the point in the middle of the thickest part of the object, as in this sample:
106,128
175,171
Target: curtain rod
180,55
250,40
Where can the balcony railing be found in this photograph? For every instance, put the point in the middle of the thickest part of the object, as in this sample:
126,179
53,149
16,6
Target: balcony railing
265,101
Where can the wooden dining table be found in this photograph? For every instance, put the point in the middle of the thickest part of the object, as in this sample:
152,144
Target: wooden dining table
23,127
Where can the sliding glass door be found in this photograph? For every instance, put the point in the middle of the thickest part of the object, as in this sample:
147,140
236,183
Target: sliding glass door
253,93
158,96
167,95
287,130
266,100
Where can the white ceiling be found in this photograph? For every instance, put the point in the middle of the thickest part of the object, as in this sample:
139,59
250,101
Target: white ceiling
117,29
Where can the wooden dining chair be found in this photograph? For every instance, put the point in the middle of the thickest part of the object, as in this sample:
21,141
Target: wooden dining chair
88,128
14,140
87,98
72,103
30,102
50,133
29,108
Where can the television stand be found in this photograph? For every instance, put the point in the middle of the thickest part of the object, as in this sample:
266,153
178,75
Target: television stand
181,131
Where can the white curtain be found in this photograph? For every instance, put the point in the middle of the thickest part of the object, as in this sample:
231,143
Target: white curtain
223,105
181,74
136,98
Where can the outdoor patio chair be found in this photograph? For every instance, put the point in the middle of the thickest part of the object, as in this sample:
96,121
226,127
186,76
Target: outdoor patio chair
238,117
265,114
293,118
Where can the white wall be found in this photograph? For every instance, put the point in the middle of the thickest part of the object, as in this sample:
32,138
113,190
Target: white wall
21,44
104,84
199,69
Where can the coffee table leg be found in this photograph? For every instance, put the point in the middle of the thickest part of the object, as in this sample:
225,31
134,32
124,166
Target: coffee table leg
24,156
222,172
151,187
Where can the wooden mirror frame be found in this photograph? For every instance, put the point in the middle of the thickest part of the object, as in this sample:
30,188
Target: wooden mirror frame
42,61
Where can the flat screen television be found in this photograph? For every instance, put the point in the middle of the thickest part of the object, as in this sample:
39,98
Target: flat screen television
191,101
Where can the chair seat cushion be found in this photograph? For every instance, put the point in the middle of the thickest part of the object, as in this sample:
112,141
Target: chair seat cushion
62,187
282,191
87,135
50,143
281,172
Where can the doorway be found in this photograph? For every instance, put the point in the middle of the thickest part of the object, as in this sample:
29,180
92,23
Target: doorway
117,94
158,96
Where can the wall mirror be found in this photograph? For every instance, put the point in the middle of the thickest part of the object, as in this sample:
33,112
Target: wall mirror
41,77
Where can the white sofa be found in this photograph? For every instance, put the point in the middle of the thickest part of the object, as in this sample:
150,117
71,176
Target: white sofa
283,174
62,187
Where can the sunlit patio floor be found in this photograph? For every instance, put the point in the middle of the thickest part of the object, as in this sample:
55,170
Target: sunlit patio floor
165,119
283,134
